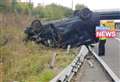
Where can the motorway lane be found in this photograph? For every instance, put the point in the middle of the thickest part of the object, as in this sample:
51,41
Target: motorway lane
92,74
112,55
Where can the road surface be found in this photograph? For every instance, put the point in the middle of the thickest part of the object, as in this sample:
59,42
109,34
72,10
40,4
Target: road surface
92,74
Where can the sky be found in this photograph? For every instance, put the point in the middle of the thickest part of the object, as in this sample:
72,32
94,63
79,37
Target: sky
92,4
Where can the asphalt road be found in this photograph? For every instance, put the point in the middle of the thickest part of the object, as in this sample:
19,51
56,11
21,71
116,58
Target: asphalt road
92,74
112,54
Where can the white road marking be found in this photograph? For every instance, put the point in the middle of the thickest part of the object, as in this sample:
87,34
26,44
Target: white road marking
117,39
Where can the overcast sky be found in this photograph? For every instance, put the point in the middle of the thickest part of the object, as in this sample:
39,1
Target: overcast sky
92,4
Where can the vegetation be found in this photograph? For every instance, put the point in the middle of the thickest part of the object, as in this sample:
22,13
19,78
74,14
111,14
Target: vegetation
49,12
28,62
79,6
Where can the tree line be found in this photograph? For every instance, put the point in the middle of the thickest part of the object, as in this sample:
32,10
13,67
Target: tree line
51,11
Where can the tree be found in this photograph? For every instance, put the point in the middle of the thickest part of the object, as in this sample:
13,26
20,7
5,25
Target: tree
79,6
5,5
54,11
2,6
38,11
23,7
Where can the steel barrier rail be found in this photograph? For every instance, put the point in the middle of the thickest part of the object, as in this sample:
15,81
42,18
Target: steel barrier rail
67,74
106,67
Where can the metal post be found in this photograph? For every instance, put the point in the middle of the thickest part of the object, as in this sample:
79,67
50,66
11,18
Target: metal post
68,49
53,59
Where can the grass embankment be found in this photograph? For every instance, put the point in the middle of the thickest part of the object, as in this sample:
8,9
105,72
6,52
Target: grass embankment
26,62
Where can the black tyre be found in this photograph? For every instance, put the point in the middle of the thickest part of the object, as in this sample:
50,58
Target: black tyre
36,23
36,26
85,14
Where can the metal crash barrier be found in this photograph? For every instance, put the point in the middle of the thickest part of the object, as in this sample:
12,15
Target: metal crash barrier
67,74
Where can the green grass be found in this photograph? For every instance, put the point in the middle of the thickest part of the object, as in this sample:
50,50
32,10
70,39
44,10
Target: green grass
28,62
